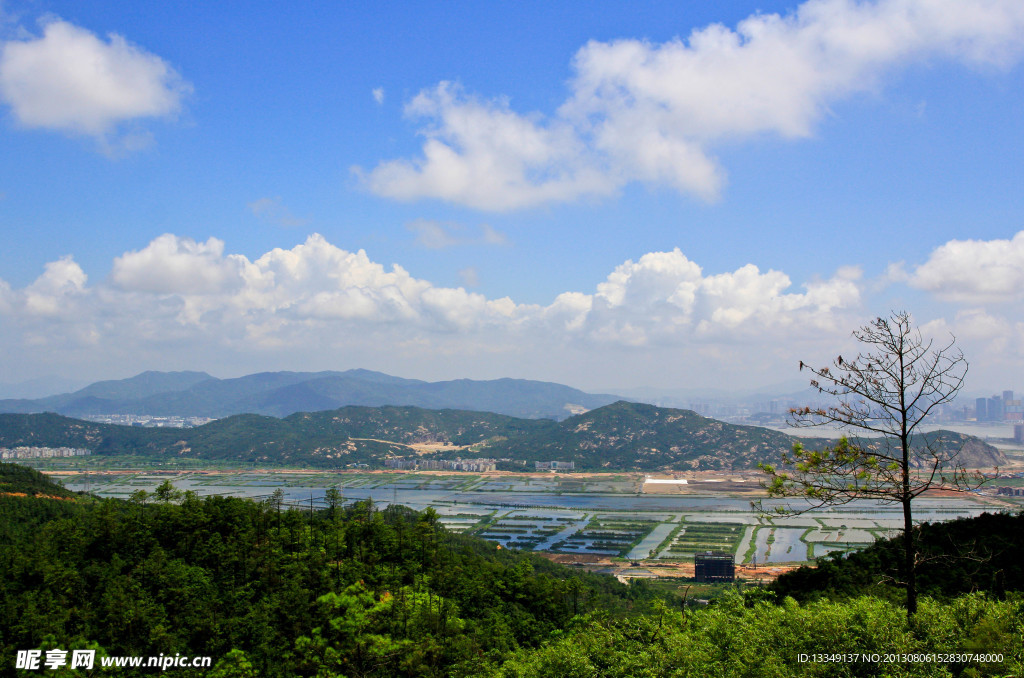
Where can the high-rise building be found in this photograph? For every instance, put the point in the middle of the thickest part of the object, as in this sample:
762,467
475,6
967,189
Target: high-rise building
981,409
995,409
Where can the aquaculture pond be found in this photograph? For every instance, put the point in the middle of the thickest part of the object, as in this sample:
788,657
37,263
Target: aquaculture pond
605,517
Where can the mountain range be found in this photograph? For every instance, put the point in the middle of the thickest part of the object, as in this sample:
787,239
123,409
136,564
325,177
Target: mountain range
279,394
620,436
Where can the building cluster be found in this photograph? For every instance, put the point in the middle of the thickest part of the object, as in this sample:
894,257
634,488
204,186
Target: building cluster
147,420
41,452
1010,491
999,408
554,465
476,465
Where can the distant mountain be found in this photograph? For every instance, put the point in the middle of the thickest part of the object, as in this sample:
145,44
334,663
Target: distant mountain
279,394
620,436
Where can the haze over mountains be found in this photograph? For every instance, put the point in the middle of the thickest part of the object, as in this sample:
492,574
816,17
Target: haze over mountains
279,394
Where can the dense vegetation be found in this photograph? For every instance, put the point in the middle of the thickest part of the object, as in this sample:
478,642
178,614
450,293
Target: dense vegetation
20,480
746,638
268,590
340,591
961,556
634,436
971,581
332,438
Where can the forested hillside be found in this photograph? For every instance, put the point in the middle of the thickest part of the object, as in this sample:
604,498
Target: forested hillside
620,436
956,557
348,590
642,437
331,438
267,590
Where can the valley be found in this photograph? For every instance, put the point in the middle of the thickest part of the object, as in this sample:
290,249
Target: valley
613,523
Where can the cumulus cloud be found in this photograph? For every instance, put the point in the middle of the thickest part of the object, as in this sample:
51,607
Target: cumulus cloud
648,112
482,154
52,292
974,270
176,286
173,265
378,95
188,303
665,298
71,81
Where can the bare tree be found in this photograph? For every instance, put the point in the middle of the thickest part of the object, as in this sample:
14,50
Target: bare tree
887,391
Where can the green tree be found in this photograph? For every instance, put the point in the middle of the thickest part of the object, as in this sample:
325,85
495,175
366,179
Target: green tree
166,492
888,390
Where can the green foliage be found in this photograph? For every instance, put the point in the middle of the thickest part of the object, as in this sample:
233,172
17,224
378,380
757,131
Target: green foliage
271,591
17,479
619,436
956,557
734,639
644,437
334,438
353,591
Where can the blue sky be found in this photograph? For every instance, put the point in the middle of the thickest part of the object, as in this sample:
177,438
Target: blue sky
606,195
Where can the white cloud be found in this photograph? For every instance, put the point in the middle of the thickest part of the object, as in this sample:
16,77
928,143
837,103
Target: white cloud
71,81
639,111
484,155
660,318
52,292
173,265
378,95
665,298
316,290
438,235
273,211
974,271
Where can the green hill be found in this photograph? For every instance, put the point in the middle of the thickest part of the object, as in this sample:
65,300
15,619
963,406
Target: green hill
642,437
269,591
339,437
621,436
21,480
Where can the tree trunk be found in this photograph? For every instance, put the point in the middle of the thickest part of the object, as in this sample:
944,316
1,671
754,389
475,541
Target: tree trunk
910,561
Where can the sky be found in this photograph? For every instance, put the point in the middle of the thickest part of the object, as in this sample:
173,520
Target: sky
608,195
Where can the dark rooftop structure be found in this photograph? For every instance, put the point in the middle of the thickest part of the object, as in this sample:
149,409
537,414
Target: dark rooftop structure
714,566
